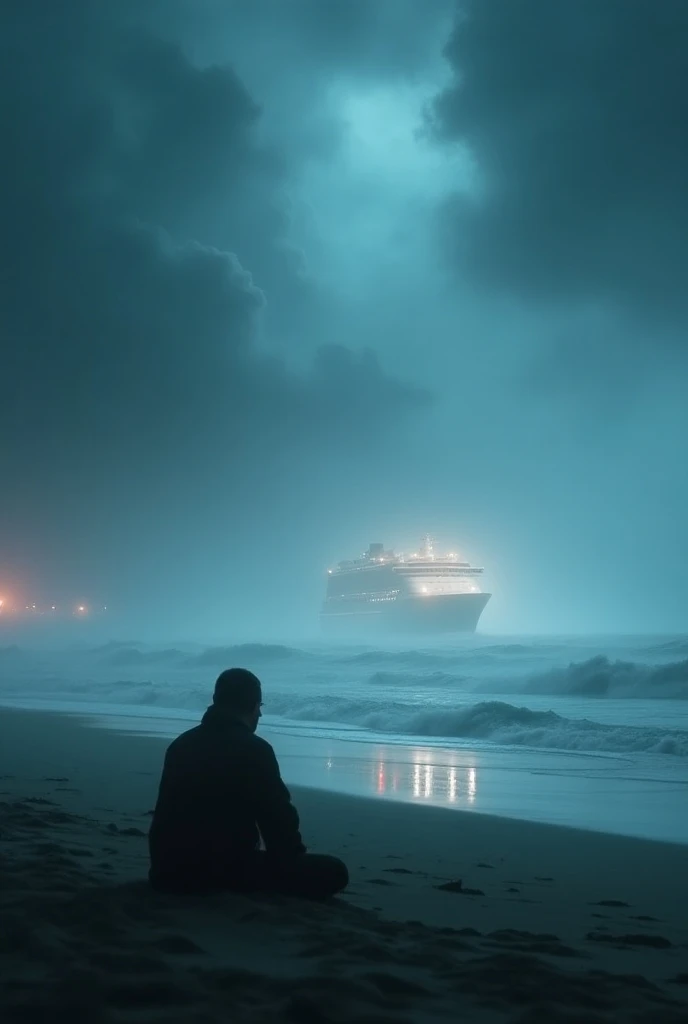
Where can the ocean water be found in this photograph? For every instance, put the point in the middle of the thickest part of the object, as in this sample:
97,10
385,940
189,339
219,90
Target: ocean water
590,732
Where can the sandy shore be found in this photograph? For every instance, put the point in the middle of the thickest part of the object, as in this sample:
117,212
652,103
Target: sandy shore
449,915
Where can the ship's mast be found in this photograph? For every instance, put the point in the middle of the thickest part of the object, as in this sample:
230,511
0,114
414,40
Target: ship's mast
426,548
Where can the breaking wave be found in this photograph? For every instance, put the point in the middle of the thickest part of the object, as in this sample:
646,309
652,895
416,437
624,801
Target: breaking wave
495,722
415,681
126,656
600,677
211,657
470,654
224,657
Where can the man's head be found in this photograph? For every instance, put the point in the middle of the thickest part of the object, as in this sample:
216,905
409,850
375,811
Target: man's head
239,692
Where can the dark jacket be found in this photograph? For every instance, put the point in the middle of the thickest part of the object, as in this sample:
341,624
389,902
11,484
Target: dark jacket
220,791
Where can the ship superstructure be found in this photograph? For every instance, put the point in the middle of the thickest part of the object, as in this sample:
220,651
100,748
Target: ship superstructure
422,592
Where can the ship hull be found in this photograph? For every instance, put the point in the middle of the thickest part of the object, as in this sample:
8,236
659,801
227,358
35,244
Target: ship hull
446,613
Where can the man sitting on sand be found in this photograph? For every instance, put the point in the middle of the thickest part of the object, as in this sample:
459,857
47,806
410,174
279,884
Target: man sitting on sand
220,791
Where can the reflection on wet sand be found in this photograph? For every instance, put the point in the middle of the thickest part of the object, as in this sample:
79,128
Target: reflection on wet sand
423,780
423,775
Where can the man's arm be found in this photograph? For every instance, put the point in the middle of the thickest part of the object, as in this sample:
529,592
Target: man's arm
276,815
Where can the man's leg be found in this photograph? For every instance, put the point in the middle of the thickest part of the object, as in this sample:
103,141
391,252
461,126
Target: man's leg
310,875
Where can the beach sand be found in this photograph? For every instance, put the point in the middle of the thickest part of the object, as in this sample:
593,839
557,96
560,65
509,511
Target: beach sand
449,916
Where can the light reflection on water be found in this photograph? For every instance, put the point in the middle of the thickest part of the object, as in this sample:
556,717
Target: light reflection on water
420,779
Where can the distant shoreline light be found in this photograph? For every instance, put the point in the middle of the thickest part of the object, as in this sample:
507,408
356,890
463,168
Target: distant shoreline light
80,610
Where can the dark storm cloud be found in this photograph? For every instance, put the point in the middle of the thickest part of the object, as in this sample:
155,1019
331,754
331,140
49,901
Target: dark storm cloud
378,38
576,113
145,237
296,53
117,148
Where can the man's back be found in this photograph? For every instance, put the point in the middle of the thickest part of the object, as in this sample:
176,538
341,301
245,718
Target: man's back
220,785
220,792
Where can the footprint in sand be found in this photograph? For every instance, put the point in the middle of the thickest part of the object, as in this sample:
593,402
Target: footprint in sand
150,995
177,945
530,942
116,830
653,941
458,887
45,849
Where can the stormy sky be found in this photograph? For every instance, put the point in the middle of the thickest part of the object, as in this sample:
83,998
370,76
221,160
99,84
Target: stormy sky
283,277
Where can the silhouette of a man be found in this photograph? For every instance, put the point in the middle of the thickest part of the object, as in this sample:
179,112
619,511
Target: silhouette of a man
220,792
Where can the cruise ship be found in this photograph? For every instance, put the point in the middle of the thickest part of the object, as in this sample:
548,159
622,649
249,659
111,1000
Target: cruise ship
423,592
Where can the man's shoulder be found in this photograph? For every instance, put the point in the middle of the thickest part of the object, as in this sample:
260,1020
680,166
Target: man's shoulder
244,744
185,738
261,747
